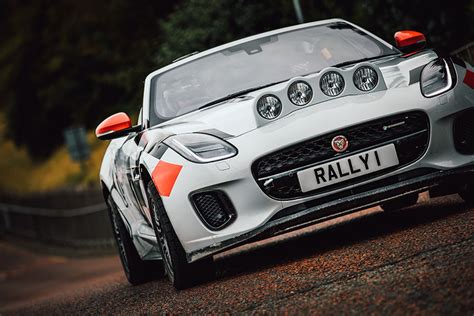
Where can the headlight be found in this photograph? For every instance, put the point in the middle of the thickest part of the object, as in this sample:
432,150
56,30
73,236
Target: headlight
269,107
300,93
365,78
332,84
435,78
200,147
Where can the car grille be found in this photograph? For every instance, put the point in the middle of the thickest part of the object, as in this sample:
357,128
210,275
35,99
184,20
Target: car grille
408,131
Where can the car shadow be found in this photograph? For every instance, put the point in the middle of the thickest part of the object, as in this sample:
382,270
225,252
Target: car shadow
317,242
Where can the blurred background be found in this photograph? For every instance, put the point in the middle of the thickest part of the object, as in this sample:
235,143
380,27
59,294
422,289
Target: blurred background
66,65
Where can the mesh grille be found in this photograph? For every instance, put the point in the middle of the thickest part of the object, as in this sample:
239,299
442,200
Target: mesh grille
464,133
318,149
214,208
360,137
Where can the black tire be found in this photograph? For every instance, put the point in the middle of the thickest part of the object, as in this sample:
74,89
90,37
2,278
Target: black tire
181,273
467,193
399,203
136,270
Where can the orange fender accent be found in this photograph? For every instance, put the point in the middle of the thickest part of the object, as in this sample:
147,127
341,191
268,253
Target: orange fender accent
164,176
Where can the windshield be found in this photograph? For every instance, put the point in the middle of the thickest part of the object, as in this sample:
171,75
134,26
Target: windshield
256,63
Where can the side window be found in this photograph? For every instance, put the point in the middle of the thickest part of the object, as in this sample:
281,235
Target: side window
140,118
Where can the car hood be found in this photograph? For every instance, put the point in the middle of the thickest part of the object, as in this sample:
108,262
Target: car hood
228,119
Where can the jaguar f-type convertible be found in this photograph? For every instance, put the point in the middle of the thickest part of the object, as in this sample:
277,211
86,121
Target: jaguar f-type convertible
279,131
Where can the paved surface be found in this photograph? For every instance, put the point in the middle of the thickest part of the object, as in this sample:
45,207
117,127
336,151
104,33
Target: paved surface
415,261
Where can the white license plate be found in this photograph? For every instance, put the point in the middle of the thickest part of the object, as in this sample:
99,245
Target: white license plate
348,168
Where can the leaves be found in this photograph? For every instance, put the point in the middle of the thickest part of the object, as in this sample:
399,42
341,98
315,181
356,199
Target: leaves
73,63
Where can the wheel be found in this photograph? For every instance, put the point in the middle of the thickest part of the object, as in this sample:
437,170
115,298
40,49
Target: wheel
399,203
136,270
467,193
181,273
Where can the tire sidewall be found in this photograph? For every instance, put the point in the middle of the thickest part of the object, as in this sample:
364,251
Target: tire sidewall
118,231
157,218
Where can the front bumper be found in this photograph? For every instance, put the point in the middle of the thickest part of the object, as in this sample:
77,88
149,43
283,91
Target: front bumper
259,215
346,202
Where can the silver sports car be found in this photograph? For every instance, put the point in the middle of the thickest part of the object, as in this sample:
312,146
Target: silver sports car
278,131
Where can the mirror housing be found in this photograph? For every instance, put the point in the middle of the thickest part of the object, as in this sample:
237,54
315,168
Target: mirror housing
115,126
410,42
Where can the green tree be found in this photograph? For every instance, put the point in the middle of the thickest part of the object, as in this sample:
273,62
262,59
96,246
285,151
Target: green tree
65,63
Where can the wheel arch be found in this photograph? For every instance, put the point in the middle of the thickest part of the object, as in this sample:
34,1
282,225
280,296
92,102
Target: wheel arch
105,190
146,178
145,175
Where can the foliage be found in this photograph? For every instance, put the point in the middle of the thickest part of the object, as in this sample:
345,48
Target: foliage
20,174
72,63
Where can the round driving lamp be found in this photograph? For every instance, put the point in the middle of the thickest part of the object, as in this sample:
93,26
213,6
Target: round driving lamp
365,78
269,107
300,93
332,84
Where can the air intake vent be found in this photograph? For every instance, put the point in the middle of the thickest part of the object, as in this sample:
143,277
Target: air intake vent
464,133
214,208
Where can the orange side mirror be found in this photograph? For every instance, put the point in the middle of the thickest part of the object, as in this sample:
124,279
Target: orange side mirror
410,41
114,126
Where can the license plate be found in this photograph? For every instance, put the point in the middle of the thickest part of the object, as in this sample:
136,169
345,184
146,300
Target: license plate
348,168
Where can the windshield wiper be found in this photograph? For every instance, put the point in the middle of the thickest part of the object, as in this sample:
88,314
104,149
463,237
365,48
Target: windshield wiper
350,62
239,93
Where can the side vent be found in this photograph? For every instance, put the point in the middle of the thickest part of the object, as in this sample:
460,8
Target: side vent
214,208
